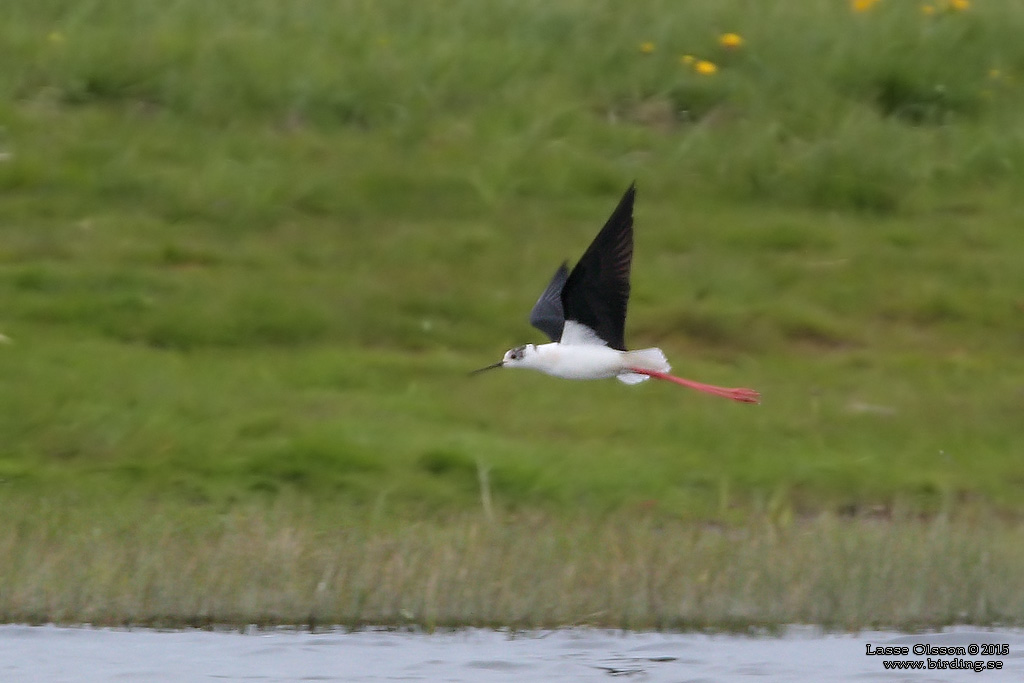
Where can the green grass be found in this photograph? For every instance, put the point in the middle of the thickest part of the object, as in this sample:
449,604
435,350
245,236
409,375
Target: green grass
248,251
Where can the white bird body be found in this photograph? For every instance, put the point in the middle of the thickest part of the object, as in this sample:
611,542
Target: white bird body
583,313
586,361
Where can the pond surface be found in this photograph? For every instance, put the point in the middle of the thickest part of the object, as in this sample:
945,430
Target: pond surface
48,654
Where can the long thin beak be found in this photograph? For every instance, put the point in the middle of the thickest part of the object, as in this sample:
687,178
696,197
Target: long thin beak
489,367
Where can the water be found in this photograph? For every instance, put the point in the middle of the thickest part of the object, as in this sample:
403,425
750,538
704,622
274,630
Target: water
48,654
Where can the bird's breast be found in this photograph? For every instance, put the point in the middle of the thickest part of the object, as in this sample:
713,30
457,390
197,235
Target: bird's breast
579,361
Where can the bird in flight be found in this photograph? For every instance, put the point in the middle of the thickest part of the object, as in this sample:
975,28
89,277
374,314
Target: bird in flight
583,312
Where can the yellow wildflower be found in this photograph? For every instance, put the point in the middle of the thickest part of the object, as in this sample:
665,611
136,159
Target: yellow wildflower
646,47
959,5
862,5
927,10
730,41
687,60
704,67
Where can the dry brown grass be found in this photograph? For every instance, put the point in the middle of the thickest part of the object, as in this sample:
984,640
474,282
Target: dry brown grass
284,565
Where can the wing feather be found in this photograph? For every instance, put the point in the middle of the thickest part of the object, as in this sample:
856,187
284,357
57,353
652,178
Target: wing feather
547,314
597,291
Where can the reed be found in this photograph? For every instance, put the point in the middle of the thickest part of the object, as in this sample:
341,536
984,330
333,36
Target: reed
288,565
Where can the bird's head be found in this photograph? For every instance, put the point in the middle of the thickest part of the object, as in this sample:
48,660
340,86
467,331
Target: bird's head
521,357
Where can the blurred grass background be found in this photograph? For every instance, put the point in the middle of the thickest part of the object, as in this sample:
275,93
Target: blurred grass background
249,249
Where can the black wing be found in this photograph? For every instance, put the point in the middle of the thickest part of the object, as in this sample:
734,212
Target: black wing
597,290
547,314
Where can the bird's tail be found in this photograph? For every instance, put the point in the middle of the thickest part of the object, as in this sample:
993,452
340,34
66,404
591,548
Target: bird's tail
645,359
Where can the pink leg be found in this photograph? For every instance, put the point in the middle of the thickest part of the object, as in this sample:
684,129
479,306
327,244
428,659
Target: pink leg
744,395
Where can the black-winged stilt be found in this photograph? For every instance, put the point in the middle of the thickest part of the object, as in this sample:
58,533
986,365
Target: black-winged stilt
584,314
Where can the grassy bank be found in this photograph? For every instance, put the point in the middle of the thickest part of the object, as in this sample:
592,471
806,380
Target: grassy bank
248,251
291,564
